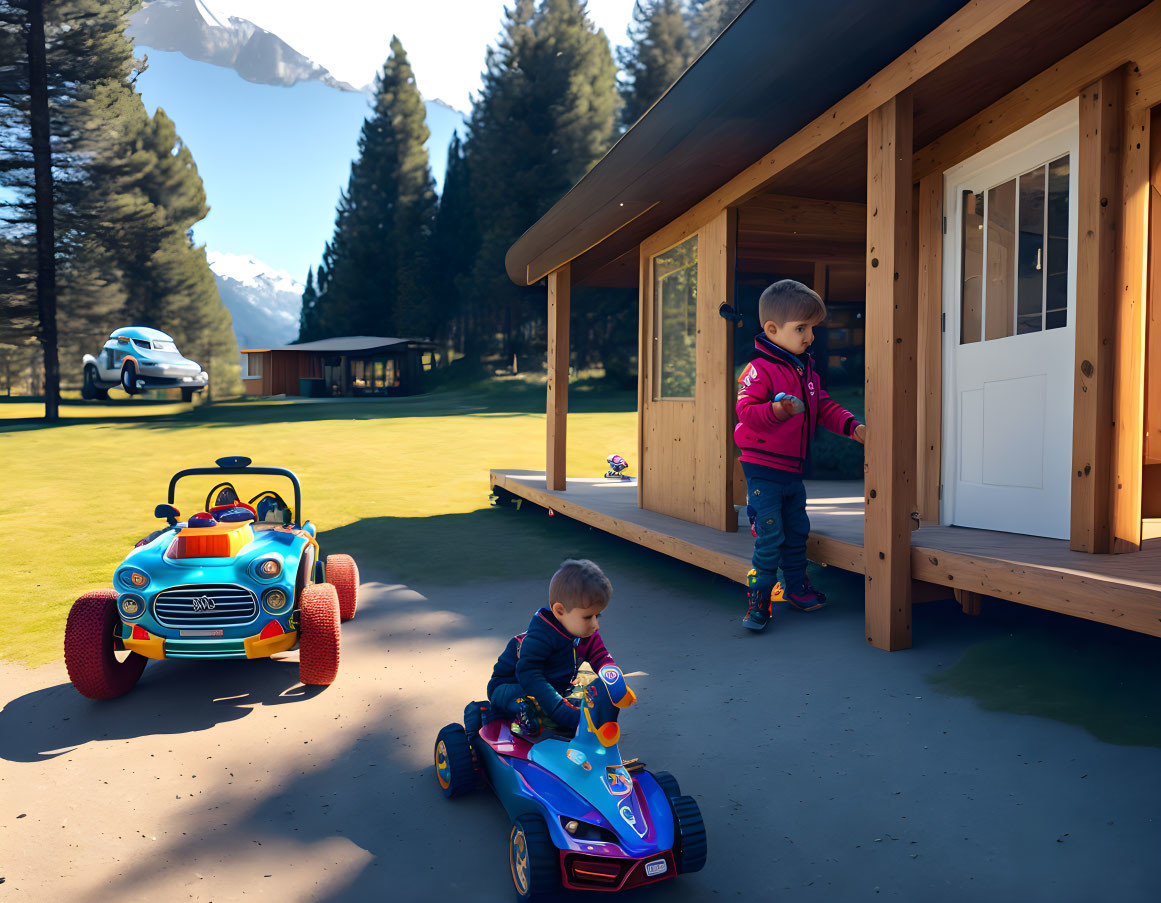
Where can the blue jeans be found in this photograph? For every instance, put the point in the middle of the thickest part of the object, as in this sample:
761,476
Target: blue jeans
782,526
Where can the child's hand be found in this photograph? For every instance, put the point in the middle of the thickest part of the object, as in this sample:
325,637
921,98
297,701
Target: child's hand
860,434
788,404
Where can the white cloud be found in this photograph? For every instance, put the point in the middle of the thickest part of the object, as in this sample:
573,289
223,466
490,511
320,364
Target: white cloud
444,39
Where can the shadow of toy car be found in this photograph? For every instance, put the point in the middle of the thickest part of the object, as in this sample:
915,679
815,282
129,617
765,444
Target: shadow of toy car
238,580
138,358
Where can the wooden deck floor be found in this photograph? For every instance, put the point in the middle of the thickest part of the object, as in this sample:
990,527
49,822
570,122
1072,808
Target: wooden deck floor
1124,590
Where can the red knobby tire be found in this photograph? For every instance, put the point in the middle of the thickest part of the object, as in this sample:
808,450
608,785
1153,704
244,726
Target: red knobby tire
318,639
88,648
343,575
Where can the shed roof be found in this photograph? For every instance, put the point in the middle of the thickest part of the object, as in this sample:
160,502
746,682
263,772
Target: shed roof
769,74
345,344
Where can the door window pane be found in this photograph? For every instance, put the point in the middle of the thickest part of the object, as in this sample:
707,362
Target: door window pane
1000,236
675,321
1056,265
1030,265
971,310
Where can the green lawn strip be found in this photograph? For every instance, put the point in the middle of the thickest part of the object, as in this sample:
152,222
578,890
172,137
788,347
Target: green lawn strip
79,495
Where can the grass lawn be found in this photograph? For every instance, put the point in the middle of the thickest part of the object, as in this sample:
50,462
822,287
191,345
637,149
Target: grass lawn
399,483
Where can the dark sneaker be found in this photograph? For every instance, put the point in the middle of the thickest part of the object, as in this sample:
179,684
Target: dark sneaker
806,598
758,599
528,722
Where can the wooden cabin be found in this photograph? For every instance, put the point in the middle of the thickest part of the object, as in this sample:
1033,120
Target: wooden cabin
982,181
348,366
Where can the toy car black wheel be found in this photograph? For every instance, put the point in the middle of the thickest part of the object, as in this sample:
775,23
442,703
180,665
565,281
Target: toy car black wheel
690,831
129,377
455,764
343,574
318,643
89,388
534,860
89,643
187,394
475,714
668,783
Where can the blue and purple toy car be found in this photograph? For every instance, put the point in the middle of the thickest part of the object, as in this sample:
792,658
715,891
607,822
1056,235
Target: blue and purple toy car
582,819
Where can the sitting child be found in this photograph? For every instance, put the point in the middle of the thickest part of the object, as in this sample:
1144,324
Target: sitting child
535,673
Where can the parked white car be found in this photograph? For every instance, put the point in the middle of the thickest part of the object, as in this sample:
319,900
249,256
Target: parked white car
138,358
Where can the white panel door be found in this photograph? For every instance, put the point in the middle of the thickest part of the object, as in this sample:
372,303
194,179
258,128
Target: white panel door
1009,304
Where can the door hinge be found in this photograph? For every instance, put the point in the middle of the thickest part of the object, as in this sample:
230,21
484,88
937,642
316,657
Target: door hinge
945,225
943,322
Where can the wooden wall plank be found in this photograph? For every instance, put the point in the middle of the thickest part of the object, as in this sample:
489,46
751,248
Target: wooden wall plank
929,347
1153,332
559,298
773,214
1098,194
1129,364
644,367
890,375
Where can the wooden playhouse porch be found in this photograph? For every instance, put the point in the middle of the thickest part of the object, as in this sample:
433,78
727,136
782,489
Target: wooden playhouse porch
1122,590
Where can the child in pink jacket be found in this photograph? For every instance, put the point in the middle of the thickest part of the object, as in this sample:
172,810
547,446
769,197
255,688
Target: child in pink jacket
780,404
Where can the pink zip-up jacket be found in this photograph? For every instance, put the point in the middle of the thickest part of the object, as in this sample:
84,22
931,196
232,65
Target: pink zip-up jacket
763,435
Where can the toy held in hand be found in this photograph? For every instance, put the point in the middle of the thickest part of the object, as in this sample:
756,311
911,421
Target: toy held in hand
796,404
617,464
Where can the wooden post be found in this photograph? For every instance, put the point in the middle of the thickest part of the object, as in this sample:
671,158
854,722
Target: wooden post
1129,365
930,348
559,288
892,311
1153,333
1098,190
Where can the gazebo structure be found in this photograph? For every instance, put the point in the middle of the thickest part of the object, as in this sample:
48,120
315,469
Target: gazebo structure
984,178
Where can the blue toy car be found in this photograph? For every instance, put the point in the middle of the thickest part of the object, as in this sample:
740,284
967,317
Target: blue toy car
238,580
138,358
582,819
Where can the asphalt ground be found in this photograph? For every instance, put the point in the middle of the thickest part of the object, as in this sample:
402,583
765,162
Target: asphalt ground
825,770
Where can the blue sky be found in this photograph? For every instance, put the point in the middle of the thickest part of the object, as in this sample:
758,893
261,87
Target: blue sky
273,159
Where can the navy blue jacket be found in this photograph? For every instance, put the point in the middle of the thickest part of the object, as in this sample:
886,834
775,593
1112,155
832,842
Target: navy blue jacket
544,661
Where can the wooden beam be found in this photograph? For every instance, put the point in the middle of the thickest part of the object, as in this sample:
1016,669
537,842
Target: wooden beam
1133,39
819,283
971,603
559,293
954,35
644,363
774,214
1153,332
929,348
1129,365
891,328
1098,193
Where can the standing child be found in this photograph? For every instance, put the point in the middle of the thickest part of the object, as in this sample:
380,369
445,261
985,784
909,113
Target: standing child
780,404
534,675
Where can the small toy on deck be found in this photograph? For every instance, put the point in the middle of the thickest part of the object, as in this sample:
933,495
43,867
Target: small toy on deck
797,402
617,463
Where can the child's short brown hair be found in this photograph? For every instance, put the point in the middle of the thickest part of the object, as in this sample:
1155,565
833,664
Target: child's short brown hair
579,583
788,301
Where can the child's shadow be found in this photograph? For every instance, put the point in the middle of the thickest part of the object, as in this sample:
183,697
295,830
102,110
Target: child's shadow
173,697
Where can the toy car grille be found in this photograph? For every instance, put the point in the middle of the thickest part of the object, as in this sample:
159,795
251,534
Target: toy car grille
584,871
221,604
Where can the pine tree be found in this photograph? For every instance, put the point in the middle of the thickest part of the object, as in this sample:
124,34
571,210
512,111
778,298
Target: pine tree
709,18
661,48
307,325
547,112
453,245
376,260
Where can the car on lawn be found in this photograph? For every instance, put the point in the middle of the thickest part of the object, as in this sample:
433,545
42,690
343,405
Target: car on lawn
239,580
582,818
137,358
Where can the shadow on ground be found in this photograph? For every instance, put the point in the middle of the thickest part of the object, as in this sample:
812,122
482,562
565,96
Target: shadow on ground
172,697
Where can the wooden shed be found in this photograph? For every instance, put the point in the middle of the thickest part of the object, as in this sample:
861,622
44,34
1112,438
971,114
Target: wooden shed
342,367
983,180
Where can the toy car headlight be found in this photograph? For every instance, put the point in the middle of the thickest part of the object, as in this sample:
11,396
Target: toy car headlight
133,578
268,568
583,830
275,600
131,607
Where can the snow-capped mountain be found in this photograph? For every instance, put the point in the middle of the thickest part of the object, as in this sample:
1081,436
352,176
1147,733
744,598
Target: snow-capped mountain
265,303
192,28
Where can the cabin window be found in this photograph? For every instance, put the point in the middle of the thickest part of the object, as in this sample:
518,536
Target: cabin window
1014,255
675,321
251,366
